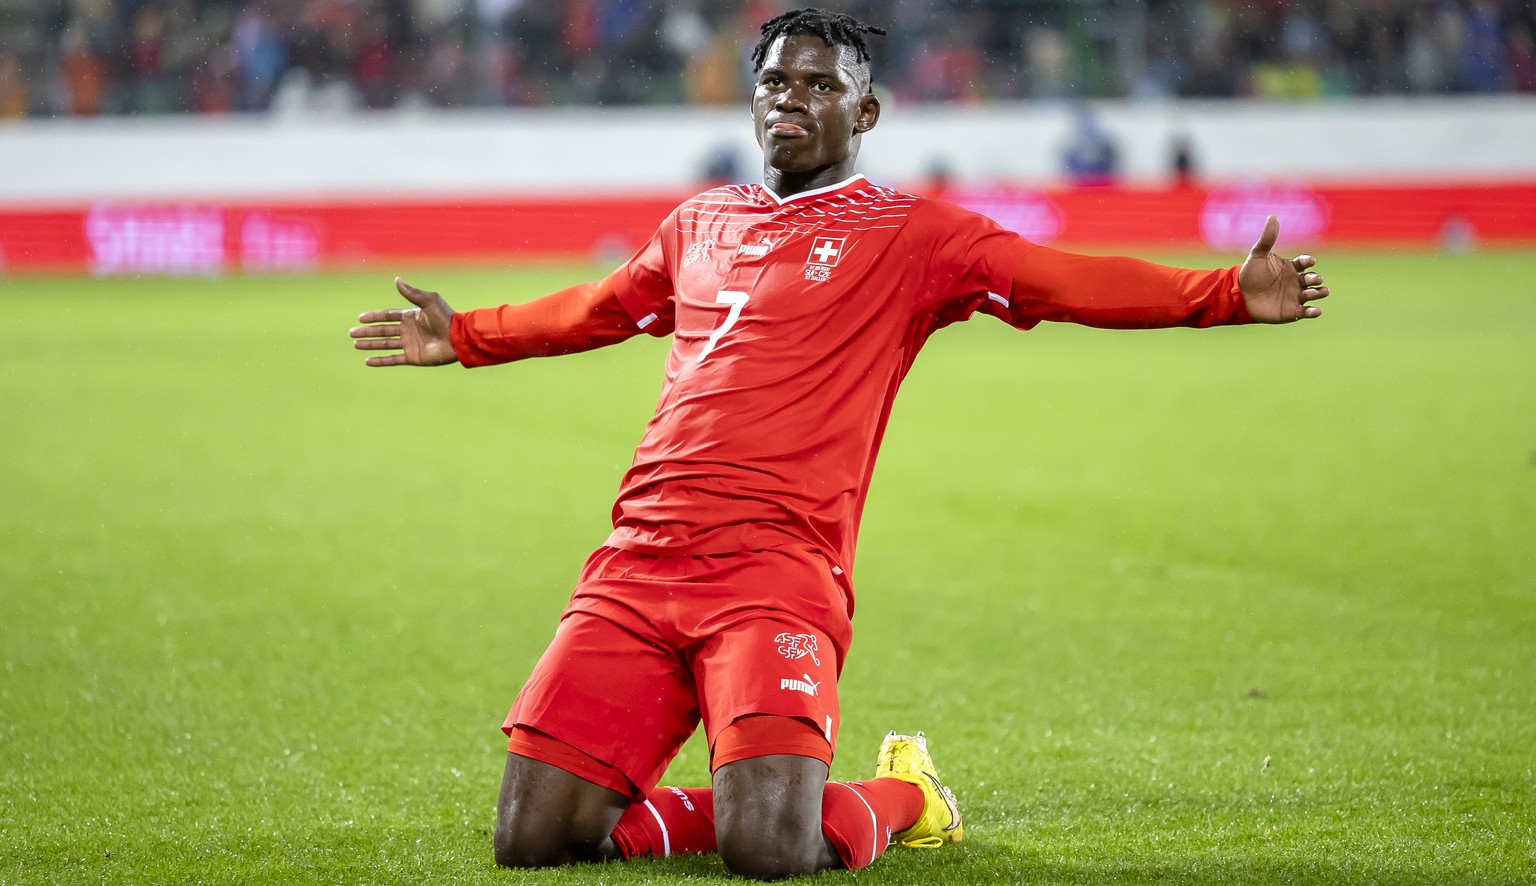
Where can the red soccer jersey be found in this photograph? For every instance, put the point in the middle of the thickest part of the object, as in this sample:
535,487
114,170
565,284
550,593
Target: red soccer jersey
793,322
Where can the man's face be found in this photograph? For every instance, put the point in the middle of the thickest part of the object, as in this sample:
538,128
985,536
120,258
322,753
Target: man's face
810,104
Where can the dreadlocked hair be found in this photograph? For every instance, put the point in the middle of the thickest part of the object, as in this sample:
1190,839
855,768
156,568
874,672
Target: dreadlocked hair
834,28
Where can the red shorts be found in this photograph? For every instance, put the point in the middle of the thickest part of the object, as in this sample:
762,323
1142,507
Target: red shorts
651,646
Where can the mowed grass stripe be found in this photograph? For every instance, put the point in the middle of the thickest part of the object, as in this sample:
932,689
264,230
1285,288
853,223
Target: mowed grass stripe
1240,605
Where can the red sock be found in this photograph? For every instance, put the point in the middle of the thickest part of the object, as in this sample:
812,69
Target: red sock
671,821
858,817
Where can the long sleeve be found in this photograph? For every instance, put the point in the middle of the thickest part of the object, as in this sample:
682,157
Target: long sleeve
580,318
979,267
637,296
1121,293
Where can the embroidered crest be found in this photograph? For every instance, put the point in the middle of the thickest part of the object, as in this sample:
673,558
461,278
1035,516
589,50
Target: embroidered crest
797,646
698,251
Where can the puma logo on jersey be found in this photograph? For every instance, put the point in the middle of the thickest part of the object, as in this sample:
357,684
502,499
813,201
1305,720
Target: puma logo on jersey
756,250
808,686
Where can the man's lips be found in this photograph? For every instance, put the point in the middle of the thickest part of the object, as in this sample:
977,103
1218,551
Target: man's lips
788,130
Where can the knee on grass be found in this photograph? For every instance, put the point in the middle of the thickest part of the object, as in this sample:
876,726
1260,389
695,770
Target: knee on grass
761,854
541,847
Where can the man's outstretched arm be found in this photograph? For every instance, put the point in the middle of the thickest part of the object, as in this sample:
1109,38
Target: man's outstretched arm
430,333
1128,293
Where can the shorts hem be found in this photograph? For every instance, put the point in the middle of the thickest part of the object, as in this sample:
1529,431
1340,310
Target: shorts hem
766,735
527,742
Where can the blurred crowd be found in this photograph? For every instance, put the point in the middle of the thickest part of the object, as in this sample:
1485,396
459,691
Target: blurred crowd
87,57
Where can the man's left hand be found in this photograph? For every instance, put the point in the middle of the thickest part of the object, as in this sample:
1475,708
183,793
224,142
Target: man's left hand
1278,289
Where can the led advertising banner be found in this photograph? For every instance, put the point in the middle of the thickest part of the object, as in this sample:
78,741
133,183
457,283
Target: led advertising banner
212,238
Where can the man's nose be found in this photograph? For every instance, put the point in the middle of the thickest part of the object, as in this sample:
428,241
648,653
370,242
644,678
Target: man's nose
791,99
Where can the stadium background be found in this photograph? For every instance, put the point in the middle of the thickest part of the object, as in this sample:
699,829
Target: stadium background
1242,605
204,137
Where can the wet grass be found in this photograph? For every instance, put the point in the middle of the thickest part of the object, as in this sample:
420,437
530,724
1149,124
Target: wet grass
1245,605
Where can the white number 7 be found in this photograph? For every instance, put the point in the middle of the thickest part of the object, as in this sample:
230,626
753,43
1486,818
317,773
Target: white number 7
737,300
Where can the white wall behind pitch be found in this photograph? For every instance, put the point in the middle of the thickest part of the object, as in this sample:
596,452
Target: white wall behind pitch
595,150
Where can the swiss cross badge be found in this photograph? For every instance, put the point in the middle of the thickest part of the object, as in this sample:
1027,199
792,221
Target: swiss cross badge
795,646
825,251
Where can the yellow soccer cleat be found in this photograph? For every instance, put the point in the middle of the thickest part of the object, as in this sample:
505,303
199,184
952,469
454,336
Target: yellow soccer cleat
906,757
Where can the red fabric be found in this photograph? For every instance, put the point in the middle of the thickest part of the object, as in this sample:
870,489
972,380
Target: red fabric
531,743
669,821
747,737
579,318
764,735
793,323
650,646
858,817
1121,293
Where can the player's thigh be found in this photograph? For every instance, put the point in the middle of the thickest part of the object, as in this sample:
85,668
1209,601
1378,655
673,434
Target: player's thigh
775,666
624,700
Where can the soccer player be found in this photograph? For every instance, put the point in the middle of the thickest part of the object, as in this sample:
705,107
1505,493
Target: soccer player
723,595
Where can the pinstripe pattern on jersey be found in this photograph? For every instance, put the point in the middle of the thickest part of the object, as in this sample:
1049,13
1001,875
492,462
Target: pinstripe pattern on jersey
731,213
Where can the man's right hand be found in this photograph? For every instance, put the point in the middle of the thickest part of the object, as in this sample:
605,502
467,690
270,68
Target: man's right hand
419,333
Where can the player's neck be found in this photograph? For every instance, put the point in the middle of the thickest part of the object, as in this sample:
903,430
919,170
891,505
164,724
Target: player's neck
789,184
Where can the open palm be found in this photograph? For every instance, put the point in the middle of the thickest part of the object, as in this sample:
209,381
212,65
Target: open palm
420,334
1276,289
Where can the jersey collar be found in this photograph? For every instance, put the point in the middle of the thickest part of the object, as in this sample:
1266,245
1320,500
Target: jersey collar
816,192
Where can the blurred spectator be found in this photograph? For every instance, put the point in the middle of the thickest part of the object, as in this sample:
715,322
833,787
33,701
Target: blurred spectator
1050,63
1522,58
375,66
1434,42
947,64
260,54
723,166
213,56
447,75
13,88
1090,158
1212,27
148,90
1183,161
82,75
1483,50
1297,72
712,73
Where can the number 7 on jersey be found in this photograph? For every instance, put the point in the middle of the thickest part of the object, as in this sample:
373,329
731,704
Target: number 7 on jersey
737,300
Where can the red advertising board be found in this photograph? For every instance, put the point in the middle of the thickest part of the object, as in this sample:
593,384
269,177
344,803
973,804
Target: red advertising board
211,237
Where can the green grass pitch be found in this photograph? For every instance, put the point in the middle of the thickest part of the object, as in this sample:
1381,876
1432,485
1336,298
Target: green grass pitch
1236,606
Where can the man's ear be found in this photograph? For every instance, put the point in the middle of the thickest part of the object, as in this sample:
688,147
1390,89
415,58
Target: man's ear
869,113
